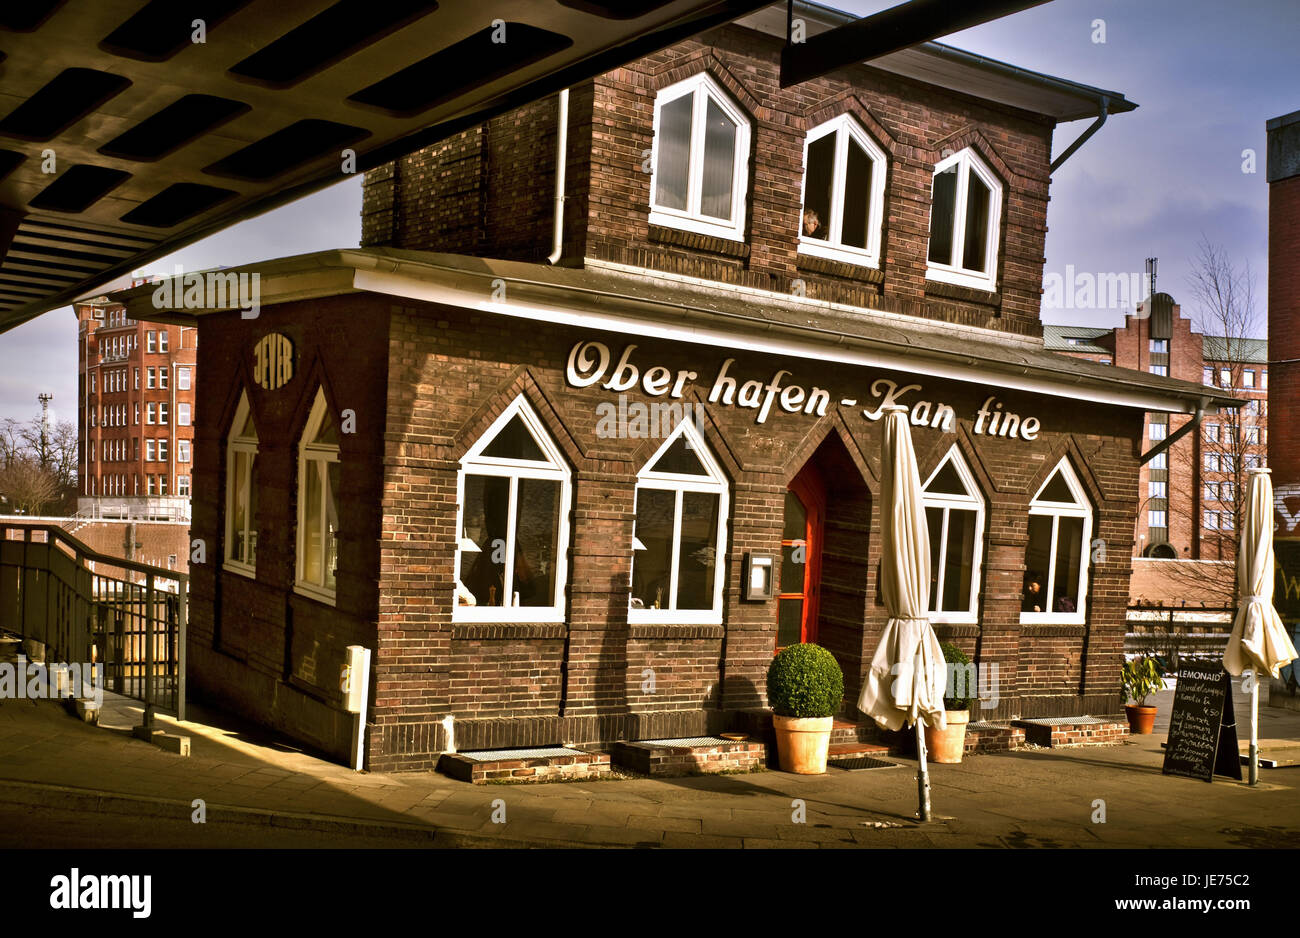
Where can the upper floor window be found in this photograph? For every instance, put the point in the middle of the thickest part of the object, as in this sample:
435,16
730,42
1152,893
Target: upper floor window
954,513
701,160
241,491
843,193
679,540
151,341
515,491
1159,346
1207,376
1161,370
964,221
318,514
182,378
1248,378
1057,554
162,341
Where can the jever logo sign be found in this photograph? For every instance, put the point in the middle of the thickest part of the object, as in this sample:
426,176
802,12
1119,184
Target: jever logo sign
273,361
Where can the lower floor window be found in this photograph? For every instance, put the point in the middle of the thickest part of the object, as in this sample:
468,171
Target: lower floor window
675,560
1052,575
513,526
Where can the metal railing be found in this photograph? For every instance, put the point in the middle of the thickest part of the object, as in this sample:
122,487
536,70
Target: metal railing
84,606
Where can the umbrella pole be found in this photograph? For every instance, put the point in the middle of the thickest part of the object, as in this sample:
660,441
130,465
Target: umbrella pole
922,775
1254,727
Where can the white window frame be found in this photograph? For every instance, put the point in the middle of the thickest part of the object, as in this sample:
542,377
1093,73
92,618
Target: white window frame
182,450
1157,518
1157,489
151,341
309,454
150,413
714,483
183,416
845,128
703,87
248,446
183,378
972,500
183,486
1056,511
474,462
1157,431
950,273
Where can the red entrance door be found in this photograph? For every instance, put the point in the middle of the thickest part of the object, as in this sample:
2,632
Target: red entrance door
801,559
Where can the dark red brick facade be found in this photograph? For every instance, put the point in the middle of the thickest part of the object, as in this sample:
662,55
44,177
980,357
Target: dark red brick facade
447,373
489,190
425,380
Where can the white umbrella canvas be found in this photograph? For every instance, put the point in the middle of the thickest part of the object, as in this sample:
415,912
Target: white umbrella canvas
908,675
1259,642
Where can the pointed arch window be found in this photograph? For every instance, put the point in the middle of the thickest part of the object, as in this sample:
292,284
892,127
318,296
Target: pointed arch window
318,514
1057,552
701,160
954,514
514,491
241,491
680,539
843,193
965,218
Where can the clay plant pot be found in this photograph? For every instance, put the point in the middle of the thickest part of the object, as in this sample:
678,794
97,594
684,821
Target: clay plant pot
947,745
1141,720
802,743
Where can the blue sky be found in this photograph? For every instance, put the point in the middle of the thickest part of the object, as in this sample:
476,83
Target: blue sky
1206,75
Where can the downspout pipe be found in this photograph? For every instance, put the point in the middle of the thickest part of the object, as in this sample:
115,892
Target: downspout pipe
1083,137
561,160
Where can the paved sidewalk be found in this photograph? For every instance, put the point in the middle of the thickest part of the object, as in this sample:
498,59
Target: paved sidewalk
1025,799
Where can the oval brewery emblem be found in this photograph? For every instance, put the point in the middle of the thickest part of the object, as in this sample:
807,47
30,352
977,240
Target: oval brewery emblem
273,361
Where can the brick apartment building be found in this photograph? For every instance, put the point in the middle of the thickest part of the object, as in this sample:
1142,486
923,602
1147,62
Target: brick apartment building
1190,497
538,467
135,420
1284,330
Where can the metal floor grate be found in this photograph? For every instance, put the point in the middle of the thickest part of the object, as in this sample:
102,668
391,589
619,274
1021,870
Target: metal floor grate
862,762
688,741
498,755
1062,721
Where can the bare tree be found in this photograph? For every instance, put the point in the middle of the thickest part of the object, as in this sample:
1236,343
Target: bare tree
26,486
1232,441
11,440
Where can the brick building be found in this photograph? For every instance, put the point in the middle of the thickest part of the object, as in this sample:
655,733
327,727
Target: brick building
1284,330
1192,496
539,467
135,421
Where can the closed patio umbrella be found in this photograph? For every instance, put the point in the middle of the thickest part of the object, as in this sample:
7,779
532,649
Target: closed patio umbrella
1258,642
908,675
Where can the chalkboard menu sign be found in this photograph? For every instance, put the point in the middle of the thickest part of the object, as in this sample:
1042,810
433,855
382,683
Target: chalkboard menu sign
1202,728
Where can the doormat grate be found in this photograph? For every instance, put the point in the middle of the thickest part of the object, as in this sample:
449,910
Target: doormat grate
499,755
862,762
1061,721
687,741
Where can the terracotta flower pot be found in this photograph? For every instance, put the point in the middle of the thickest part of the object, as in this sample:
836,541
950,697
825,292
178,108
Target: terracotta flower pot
947,745
802,743
1141,720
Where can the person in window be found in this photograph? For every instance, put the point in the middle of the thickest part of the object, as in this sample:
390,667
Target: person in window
1032,600
1064,603
811,222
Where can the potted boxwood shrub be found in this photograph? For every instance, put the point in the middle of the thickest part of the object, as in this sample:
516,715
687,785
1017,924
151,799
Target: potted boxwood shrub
947,745
1140,678
804,688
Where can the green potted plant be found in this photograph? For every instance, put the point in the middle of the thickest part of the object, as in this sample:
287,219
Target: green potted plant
947,745
1140,679
804,688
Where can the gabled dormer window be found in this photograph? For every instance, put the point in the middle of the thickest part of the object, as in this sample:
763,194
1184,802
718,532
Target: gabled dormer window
318,513
701,160
843,193
965,218
680,539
